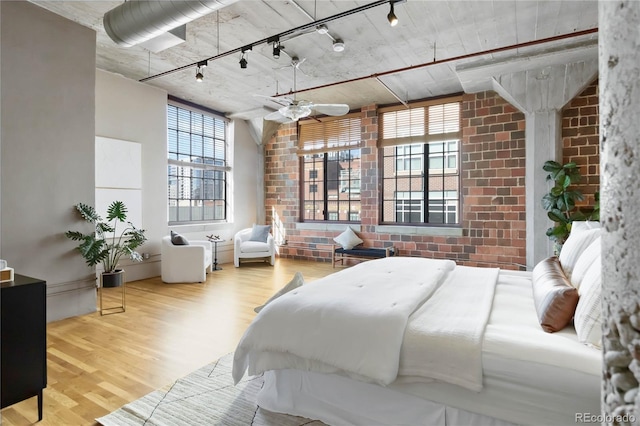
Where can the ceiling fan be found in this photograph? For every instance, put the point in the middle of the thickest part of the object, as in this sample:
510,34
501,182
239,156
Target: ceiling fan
295,63
293,110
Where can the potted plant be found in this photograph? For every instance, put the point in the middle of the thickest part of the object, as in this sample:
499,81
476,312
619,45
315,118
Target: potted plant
112,238
560,201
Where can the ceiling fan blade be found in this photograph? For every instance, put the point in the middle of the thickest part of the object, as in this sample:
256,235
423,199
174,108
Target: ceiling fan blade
276,116
331,109
279,101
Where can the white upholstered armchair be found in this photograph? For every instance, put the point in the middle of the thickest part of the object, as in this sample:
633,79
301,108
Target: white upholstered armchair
185,263
244,248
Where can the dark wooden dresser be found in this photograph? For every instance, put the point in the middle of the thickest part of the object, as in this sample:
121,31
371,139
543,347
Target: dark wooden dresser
23,340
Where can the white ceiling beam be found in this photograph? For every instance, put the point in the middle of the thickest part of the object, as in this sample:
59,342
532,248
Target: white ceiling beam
477,76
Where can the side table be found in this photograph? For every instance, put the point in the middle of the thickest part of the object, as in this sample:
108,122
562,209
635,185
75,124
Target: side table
23,328
215,239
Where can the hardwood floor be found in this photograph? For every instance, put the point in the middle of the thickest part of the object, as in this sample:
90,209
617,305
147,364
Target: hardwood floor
98,363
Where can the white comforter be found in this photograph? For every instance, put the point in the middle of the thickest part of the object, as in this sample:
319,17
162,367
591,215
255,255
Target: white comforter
354,322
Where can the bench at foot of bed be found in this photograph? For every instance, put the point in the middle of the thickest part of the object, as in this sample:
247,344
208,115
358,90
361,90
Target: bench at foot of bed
339,254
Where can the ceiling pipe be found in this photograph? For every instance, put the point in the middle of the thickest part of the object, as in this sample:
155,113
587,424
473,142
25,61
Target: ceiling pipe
134,22
442,61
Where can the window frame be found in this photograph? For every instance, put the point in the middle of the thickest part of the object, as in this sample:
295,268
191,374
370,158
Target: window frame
214,168
328,144
401,137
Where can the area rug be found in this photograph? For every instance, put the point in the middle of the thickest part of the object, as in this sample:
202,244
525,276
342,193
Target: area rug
205,397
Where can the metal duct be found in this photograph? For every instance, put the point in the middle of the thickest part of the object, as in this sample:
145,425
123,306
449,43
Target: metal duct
139,20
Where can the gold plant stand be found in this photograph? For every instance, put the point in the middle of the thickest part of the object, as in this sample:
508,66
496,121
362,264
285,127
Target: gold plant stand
114,309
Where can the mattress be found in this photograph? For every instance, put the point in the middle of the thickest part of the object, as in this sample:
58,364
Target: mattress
530,377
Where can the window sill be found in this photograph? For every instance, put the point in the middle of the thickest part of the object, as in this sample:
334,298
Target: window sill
199,226
432,231
383,229
328,226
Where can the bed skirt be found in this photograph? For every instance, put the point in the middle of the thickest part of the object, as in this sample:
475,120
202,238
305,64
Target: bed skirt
348,402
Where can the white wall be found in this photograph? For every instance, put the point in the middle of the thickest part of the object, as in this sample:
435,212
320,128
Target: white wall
133,111
47,143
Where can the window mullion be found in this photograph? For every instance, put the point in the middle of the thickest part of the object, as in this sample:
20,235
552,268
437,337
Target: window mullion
325,191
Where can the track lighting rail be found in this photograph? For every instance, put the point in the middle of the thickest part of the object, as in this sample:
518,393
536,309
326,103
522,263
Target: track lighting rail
280,36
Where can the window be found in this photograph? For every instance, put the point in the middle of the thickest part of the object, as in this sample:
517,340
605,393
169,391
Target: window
330,157
443,155
409,158
420,149
197,165
443,206
409,206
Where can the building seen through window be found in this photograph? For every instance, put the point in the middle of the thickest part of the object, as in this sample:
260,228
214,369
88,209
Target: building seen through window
197,165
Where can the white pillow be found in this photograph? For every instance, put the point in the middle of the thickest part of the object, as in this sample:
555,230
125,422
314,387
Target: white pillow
295,282
577,242
348,239
584,225
588,316
586,259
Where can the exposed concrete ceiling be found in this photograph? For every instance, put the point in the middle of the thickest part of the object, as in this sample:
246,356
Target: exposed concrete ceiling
428,33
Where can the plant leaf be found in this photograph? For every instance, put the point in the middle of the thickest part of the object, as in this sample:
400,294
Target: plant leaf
557,216
551,166
75,235
549,201
117,210
569,202
577,215
576,195
556,191
104,227
88,213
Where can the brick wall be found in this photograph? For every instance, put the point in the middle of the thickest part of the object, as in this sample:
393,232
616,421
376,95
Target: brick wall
581,140
493,163
493,181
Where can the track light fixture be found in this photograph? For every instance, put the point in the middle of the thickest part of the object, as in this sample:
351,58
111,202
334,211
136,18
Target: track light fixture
243,60
322,29
200,69
338,45
276,49
391,17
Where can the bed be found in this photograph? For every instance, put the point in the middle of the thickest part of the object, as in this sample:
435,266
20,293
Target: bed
410,341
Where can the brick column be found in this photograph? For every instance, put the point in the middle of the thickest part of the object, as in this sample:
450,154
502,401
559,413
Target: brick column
369,192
